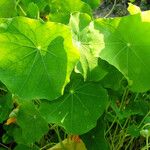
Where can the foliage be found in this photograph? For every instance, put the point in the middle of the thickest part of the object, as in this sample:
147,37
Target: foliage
64,73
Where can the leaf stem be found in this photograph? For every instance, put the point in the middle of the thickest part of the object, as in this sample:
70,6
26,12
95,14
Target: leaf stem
111,9
59,138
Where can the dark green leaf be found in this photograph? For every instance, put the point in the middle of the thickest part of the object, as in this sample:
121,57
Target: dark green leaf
33,126
79,108
95,139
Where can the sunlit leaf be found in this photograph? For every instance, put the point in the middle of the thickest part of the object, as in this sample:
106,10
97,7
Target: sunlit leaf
36,58
127,48
87,39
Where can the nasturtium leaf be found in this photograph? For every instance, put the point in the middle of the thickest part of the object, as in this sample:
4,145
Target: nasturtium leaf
93,3
36,58
133,130
33,10
6,105
61,10
113,78
126,49
25,147
133,9
31,122
79,108
87,39
40,3
95,139
7,8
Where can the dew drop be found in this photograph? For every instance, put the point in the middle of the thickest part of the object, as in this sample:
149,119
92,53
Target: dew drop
34,116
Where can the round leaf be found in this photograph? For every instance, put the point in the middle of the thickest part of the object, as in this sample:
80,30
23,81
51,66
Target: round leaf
36,58
127,48
79,108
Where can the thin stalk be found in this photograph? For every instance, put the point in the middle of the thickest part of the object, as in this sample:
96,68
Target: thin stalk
21,9
147,147
144,119
4,146
60,140
129,143
125,94
111,9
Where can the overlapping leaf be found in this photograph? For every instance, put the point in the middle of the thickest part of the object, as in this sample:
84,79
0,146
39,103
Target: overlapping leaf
7,8
127,48
88,42
79,108
31,123
93,3
36,58
6,106
61,10
95,139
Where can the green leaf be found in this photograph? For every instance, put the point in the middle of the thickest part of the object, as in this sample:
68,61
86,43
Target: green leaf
133,130
31,122
113,78
33,10
127,50
36,58
79,108
95,139
40,3
7,8
133,9
93,3
6,105
25,147
61,10
87,39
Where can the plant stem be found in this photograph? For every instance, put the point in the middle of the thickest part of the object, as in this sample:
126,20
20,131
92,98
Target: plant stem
60,140
144,119
23,12
4,146
111,9
147,147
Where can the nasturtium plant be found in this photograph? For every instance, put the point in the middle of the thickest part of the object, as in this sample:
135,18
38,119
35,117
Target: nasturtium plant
6,106
88,40
31,122
126,49
93,3
79,108
34,65
67,75
61,10
7,8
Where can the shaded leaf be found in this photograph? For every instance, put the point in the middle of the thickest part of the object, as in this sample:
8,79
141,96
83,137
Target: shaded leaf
79,108
95,139
93,3
31,123
61,10
6,105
